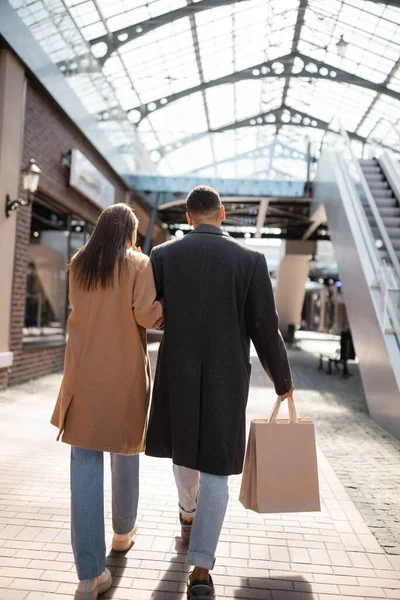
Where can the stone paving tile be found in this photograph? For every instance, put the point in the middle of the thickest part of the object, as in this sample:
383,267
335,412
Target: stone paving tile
312,556
365,458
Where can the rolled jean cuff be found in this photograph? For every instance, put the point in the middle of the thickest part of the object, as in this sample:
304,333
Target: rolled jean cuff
187,514
201,560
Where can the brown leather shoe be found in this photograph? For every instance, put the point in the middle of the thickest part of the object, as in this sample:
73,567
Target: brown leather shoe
186,528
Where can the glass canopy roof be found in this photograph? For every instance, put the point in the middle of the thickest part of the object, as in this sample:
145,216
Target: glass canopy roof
227,89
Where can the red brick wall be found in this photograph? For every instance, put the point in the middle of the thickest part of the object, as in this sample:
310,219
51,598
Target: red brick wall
47,135
34,362
3,379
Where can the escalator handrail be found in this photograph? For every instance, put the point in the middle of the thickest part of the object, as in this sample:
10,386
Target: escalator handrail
371,201
391,169
362,219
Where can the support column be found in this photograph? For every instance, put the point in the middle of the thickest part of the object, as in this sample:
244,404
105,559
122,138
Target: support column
262,213
150,226
291,283
12,106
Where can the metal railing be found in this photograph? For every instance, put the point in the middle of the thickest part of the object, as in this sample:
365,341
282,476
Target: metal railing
386,269
390,165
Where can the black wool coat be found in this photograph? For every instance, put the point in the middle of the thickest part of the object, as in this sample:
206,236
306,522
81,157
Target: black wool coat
217,296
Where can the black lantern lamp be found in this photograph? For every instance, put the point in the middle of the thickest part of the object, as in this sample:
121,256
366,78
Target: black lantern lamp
30,182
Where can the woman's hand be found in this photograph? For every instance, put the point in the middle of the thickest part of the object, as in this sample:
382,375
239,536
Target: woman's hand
287,395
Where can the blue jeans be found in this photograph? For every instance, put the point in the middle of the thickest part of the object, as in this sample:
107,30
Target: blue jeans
204,497
87,505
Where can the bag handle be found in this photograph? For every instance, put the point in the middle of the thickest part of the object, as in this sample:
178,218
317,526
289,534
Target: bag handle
277,406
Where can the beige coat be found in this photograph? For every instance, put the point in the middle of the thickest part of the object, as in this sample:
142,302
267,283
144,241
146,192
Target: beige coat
104,396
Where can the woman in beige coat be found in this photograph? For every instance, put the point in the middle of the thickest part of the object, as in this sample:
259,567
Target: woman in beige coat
104,396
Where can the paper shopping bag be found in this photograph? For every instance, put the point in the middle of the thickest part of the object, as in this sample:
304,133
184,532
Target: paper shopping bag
280,471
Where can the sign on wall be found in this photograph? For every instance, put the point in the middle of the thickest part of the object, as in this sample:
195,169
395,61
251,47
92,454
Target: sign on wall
86,179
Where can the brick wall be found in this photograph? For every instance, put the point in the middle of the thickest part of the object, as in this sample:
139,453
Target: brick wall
34,362
3,379
47,135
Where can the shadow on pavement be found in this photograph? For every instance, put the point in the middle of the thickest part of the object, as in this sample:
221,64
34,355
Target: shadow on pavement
257,588
172,585
116,562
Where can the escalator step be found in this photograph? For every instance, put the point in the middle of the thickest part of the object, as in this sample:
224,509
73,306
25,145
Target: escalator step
384,203
377,186
374,178
368,161
385,211
393,232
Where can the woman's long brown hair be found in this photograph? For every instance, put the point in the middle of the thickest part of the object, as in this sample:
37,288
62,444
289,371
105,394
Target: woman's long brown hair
94,263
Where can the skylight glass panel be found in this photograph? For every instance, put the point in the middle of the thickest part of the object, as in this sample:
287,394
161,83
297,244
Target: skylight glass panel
386,109
189,156
165,65
176,122
329,99
182,54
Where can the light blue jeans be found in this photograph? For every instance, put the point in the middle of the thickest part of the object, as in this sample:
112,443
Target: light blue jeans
87,505
205,497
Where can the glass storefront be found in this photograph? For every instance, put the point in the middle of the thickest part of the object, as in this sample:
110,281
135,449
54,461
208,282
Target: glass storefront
55,235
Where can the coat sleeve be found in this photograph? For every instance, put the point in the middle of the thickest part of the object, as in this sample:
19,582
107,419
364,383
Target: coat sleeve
157,270
147,311
262,326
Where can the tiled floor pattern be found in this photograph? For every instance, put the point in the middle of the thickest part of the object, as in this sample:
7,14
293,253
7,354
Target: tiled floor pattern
321,556
364,456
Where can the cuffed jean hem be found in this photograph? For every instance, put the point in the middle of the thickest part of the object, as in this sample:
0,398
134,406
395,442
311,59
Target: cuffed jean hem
188,515
201,560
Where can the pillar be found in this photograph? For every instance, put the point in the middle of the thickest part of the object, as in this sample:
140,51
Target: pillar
291,282
12,104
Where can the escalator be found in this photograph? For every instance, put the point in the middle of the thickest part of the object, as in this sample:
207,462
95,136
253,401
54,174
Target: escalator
362,206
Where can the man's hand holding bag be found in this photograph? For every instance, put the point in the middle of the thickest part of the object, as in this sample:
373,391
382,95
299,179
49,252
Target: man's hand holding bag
281,472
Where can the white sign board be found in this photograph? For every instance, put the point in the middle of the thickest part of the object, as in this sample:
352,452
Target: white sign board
86,179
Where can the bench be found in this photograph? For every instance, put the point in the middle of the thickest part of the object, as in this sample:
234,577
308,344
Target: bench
336,360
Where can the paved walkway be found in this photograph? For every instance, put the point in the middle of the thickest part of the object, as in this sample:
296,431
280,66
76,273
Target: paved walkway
321,556
366,458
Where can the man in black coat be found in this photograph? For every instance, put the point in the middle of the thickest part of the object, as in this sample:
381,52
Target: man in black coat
217,297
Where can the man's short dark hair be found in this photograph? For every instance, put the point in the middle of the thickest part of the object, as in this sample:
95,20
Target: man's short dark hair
203,200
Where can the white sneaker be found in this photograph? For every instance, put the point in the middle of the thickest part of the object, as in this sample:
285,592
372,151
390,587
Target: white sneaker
122,542
89,589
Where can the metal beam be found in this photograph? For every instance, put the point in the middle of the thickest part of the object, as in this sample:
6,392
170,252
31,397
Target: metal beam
196,46
256,153
393,71
226,187
267,171
18,36
127,34
301,13
280,67
317,218
279,117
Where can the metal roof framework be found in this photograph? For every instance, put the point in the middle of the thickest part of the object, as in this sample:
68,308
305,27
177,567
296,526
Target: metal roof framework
206,84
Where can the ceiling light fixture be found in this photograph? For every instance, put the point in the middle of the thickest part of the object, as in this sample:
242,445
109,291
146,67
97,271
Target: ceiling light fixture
341,47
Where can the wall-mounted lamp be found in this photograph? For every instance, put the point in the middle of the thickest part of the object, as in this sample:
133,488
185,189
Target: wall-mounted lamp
30,182
313,262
